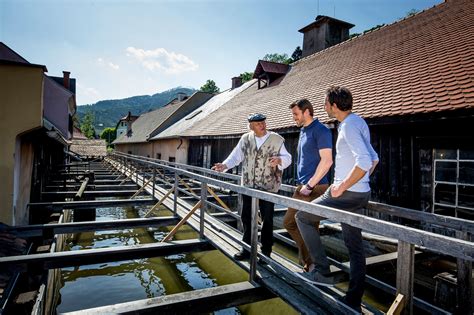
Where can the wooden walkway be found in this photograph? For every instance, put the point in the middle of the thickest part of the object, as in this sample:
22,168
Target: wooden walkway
188,190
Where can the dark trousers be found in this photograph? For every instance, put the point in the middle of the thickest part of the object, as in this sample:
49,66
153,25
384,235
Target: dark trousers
266,210
349,201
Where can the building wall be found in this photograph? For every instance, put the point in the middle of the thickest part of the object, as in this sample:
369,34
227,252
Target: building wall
176,149
143,149
21,110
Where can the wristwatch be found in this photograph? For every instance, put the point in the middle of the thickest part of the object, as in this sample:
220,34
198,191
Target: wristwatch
309,187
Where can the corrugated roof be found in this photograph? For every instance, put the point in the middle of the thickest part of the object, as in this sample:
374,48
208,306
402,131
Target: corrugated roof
89,147
184,126
148,123
422,64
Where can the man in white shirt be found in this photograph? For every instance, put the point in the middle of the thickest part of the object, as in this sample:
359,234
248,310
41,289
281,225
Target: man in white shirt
350,191
264,157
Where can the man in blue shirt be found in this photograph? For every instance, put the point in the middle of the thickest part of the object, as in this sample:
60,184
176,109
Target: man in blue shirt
350,191
313,163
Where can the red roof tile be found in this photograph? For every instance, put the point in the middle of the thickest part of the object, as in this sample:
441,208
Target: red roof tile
422,64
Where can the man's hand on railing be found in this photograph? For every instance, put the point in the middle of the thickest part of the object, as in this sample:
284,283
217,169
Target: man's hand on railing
220,167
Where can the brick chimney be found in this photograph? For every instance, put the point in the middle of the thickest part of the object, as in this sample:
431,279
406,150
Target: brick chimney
236,82
324,32
66,81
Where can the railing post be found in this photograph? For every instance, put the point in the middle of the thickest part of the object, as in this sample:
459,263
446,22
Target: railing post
239,211
465,292
254,241
154,179
176,192
203,209
406,274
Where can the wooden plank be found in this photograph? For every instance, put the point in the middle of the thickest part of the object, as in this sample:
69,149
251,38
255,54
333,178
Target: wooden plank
91,193
197,301
101,255
465,282
59,205
76,227
406,274
397,305
425,217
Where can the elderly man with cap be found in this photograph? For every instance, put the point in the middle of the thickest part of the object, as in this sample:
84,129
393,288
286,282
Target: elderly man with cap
264,157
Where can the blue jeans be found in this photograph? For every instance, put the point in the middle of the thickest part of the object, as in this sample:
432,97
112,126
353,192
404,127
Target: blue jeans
348,201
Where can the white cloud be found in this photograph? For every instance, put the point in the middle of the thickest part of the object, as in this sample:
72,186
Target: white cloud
87,95
109,64
161,59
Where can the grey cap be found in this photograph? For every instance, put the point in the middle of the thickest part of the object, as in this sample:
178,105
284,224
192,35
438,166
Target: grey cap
256,117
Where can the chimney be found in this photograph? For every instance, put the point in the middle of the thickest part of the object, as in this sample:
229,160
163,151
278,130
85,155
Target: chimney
181,96
66,79
236,82
323,33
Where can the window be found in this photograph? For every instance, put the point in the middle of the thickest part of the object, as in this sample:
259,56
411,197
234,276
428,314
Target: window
158,156
453,176
172,159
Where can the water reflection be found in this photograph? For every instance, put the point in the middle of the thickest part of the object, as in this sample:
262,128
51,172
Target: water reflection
117,282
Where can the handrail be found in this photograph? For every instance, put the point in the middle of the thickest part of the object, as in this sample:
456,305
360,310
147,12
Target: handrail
434,242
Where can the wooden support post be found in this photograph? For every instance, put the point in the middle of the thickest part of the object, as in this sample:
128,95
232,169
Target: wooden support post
180,223
176,193
142,188
406,274
159,202
154,182
239,211
465,292
397,306
253,242
203,209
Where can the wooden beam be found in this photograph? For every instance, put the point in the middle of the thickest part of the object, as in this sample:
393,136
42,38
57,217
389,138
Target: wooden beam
180,223
465,282
406,274
142,188
425,217
397,305
75,227
59,205
197,301
159,202
102,255
92,193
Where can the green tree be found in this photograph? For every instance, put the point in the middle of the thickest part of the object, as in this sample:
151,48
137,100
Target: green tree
87,125
411,12
246,76
75,121
280,58
109,134
297,54
210,87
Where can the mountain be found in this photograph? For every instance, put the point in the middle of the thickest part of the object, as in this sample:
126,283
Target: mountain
108,112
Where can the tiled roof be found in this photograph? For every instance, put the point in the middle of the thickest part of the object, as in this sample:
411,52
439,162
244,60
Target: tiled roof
184,126
422,64
89,147
144,127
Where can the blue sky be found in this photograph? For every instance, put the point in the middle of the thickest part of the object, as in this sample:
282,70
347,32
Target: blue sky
118,48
